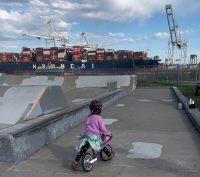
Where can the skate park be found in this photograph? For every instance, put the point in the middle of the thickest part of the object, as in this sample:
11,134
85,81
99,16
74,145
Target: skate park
151,136
36,110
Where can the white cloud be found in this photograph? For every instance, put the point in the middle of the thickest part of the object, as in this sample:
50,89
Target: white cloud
39,3
12,15
161,35
26,17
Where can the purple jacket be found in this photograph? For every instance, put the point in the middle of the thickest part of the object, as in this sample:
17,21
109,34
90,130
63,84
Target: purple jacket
94,125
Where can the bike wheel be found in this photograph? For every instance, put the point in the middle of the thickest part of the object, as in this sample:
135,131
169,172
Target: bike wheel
86,164
103,156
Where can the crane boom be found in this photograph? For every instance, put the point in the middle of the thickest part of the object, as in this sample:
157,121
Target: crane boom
43,33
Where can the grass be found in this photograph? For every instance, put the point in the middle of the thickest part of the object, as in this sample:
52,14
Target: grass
187,90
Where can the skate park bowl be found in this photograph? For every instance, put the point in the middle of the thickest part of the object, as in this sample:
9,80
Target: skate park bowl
35,110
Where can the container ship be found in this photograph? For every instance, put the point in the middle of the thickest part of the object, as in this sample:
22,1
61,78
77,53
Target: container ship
74,60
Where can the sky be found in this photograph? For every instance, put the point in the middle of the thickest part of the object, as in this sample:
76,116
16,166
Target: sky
138,25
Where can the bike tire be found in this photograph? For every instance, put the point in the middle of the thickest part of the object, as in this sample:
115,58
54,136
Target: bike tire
86,165
103,156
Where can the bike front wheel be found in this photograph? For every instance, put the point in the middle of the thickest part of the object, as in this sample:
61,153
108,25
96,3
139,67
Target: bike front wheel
86,164
103,156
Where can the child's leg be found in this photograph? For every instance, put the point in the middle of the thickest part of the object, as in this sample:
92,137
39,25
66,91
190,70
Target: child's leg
82,151
106,151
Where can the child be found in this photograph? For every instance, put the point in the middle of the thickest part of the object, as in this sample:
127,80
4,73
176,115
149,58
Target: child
94,128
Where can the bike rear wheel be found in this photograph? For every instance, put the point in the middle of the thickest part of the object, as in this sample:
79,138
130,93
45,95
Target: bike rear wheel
86,164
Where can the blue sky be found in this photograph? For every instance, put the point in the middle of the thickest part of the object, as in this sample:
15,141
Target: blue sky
119,24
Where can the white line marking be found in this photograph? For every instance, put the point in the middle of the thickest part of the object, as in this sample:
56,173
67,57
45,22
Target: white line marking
167,100
22,170
144,100
79,100
120,105
109,121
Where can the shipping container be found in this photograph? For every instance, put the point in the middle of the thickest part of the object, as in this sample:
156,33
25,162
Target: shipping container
77,49
116,55
76,57
130,54
11,57
61,54
54,53
109,54
139,55
100,54
46,54
69,54
3,57
38,52
26,55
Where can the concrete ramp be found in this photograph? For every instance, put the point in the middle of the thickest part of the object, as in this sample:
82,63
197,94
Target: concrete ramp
20,103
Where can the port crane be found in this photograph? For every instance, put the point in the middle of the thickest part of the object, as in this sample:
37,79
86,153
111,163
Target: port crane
47,32
175,38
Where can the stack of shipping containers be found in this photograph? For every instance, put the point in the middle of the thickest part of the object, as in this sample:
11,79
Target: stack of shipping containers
3,57
140,55
109,54
100,54
54,53
39,54
26,55
46,54
116,55
91,55
130,54
9,57
123,54
61,54
77,53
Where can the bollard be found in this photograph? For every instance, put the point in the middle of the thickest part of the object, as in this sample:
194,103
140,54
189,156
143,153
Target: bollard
191,104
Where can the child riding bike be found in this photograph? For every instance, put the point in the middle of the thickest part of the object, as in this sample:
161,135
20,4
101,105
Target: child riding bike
94,128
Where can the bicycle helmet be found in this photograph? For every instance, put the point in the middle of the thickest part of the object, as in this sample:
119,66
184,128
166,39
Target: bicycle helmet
95,107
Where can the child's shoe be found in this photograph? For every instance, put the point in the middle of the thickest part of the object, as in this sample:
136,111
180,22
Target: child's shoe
75,166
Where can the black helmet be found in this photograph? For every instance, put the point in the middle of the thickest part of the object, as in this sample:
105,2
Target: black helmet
95,107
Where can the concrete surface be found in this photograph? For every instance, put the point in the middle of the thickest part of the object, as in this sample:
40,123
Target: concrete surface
73,87
19,103
193,113
148,119
23,139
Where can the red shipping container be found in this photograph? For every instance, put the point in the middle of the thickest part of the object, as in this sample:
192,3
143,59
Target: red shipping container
26,55
76,57
100,56
4,57
77,49
61,54
46,54
39,54
54,53
11,57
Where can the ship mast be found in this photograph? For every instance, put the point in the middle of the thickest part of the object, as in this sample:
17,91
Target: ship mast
47,33
175,38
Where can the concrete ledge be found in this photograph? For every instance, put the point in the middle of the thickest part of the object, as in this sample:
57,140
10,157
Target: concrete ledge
193,114
21,140
111,86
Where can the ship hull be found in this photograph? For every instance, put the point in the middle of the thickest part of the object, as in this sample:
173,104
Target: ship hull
78,67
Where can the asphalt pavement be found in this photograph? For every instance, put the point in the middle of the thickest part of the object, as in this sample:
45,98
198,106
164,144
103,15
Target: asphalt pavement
151,138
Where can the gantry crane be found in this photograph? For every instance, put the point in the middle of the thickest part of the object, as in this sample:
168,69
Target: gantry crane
175,38
48,33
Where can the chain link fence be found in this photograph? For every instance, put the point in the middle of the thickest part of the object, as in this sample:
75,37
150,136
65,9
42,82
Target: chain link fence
169,74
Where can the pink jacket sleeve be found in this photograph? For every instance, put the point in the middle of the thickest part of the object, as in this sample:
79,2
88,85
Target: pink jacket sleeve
102,127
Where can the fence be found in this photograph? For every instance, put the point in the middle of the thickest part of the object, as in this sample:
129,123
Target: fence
169,74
